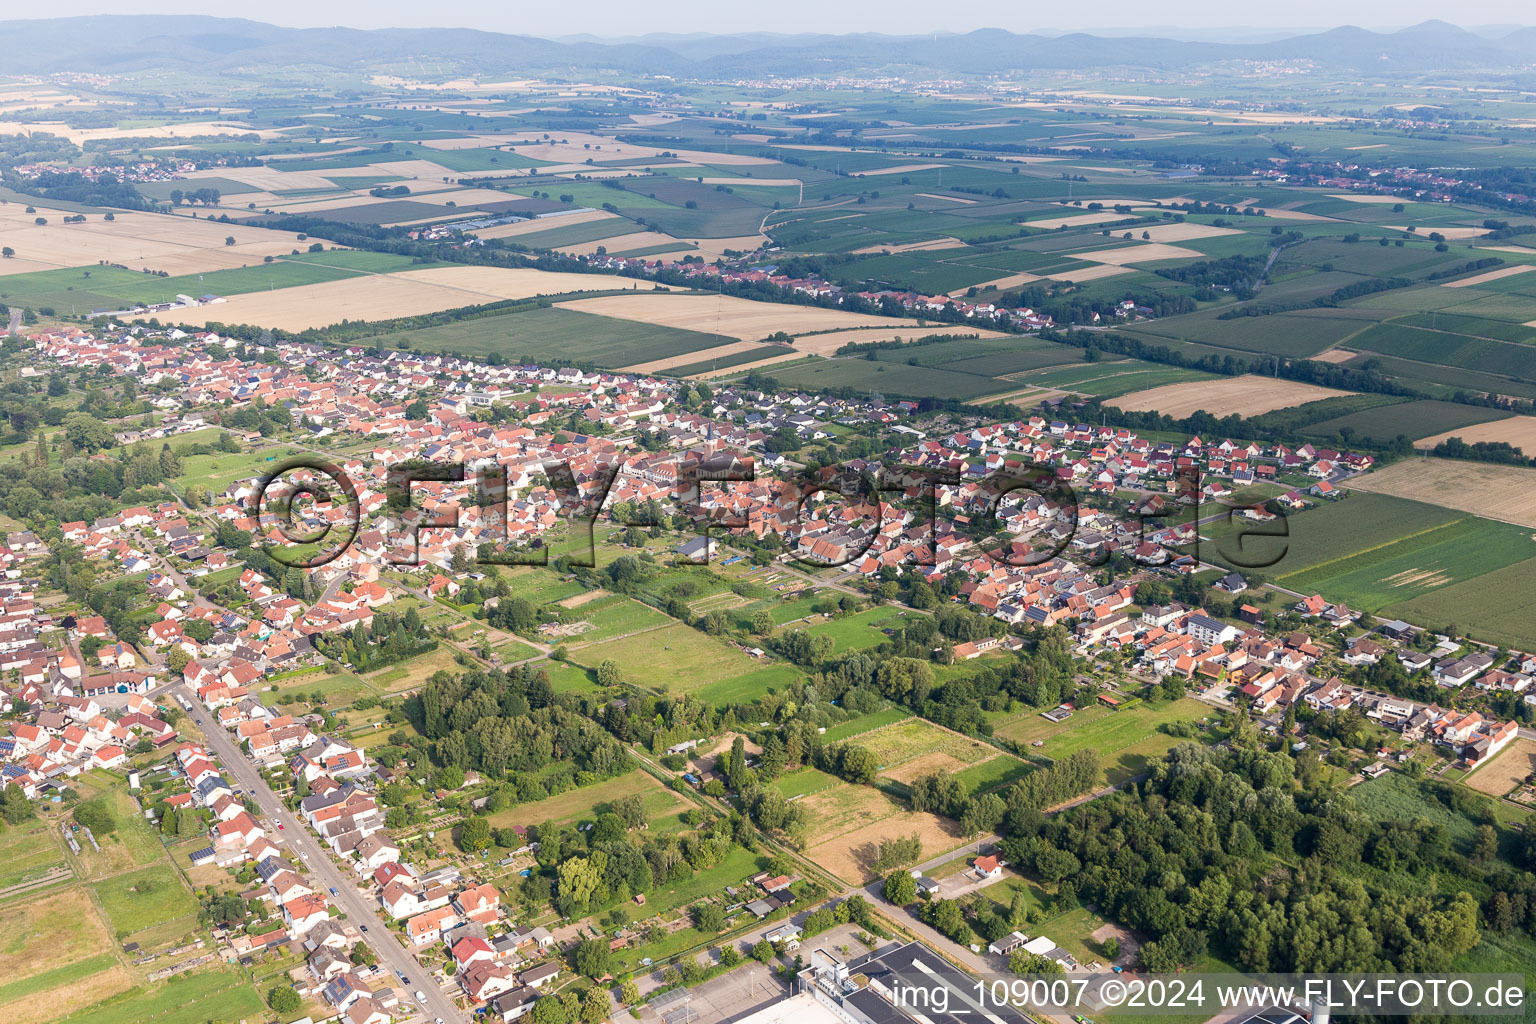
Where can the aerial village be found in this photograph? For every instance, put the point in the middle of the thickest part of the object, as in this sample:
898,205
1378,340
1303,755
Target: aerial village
95,699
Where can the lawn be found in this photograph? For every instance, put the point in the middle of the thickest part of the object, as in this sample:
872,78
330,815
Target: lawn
138,900
27,851
744,689
1125,740
804,782
219,470
674,658
992,774
859,630
188,999
582,804
864,723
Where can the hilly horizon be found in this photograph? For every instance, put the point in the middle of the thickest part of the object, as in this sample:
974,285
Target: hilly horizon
128,43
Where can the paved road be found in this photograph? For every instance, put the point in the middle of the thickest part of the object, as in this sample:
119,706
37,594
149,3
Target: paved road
360,907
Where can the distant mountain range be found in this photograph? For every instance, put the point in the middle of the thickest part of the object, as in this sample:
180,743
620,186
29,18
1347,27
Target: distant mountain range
123,43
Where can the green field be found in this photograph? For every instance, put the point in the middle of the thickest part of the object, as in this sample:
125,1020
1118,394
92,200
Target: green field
1333,530
865,723
674,658
1453,552
27,852
887,378
993,774
139,900
1414,419
1125,740
1498,607
556,334
861,629
804,782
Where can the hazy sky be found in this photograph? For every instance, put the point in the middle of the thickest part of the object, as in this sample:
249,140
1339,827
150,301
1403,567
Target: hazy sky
628,17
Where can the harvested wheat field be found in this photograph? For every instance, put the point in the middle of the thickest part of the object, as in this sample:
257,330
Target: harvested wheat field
1507,770
622,243
851,856
952,199
1505,493
1246,395
1450,234
789,356
1334,355
1184,232
137,240
1356,197
528,227
724,314
1146,252
1077,220
999,284
658,365
386,296
930,245
1519,431
828,344
1091,273
1492,275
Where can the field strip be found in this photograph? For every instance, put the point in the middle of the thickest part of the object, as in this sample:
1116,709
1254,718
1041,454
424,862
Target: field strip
1492,275
698,356
953,199
1374,547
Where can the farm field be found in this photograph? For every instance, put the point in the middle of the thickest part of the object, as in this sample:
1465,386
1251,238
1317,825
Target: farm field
741,319
887,378
1126,740
544,334
1332,530
388,296
1506,771
1505,493
1518,431
138,241
1452,552
1498,606
1414,419
1246,395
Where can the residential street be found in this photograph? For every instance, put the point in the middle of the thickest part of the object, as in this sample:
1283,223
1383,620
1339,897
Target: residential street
359,906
